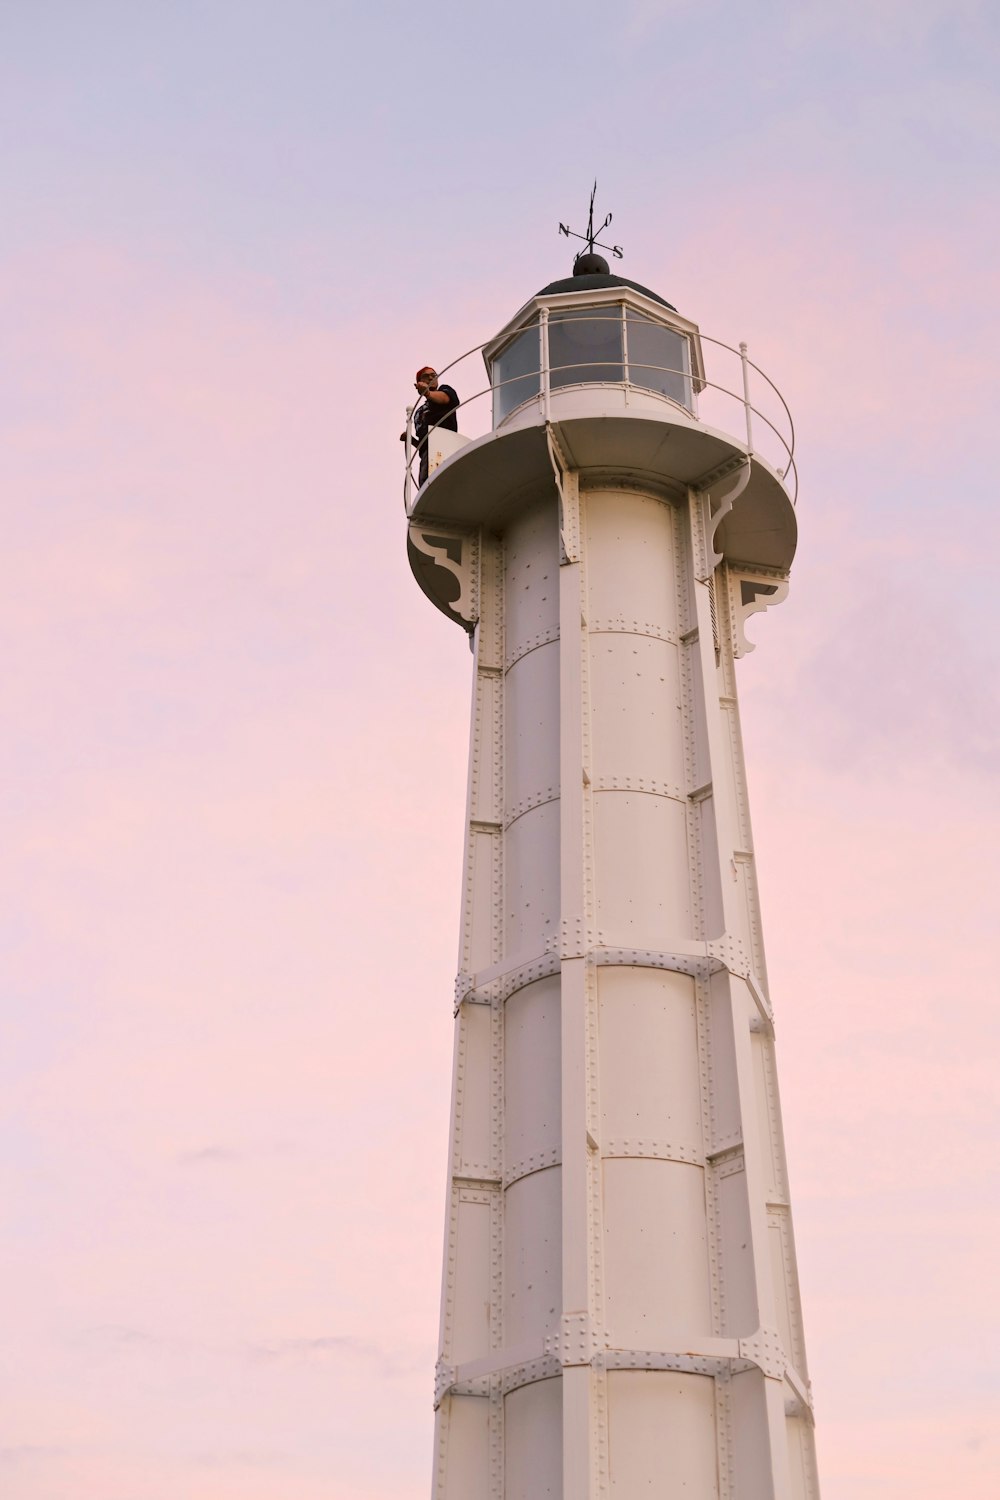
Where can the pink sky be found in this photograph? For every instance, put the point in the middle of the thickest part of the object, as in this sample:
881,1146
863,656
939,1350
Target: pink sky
235,742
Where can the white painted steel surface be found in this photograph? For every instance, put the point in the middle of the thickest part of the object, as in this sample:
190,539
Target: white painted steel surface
620,1313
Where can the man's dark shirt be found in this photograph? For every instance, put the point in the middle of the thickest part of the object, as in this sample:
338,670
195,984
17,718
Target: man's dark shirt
431,414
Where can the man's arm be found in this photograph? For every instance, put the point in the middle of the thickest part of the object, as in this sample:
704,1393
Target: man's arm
441,403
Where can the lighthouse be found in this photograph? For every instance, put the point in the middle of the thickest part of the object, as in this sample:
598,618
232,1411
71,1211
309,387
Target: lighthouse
620,1311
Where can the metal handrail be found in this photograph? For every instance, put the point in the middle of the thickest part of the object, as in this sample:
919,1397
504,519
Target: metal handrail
545,372
706,339
617,384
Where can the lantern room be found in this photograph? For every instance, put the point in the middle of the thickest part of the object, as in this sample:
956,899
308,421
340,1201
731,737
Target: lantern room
593,331
600,377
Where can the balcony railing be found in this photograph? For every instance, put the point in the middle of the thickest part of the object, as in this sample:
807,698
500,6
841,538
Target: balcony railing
738,389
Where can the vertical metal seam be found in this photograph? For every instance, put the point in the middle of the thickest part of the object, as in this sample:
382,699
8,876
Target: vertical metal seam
692,565
443,1422
712,1202
602,1448
496,1438
692,815
724,1434
498,1020
599,1476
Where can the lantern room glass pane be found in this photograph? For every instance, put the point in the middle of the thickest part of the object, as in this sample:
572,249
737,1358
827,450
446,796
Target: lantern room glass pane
659,359
585,343
515,373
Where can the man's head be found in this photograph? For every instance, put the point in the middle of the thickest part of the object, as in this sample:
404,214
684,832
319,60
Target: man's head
426,379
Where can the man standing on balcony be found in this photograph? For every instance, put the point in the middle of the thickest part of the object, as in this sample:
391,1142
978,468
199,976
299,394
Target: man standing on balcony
437,410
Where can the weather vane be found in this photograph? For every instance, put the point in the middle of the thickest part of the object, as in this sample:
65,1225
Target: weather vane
591,235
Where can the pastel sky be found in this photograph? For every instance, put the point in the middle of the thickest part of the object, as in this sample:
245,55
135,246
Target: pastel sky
235,733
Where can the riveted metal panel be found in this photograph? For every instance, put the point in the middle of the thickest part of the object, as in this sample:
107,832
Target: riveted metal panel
650,1085
532,1078
479,944
748,910
637,733
531,762
661,1435
712,1206
786,1291
489,636
475,1159
532,1257
732,738
496,1439
699,762
707,868
485,768
531,880
801,1458
578,1415
483,867
741,1315
630,560
751,1448
533,1442
647,836
708,905
772,1152
727,1124
470,1323
463,1466
531,591
656,1253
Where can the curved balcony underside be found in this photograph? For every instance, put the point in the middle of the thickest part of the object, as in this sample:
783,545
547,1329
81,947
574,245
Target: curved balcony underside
492,477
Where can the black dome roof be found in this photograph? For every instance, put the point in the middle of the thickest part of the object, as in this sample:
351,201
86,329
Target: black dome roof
598,282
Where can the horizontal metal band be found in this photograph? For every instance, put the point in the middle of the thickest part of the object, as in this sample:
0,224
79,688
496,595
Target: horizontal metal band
493,985
539,1161
622,625
504,1370
530,643
647,784
654,1359
701,959
528,804
698,965
572,1346
638,1150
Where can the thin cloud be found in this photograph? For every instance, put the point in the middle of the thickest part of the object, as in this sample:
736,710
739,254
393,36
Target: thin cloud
340,1347
325,1344
210,1156
243,1458
30,1452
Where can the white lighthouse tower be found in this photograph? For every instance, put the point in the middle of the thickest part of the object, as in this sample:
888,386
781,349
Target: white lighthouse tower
620,1311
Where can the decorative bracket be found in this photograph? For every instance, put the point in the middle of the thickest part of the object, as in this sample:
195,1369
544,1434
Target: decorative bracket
749,593
719,505
457,552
